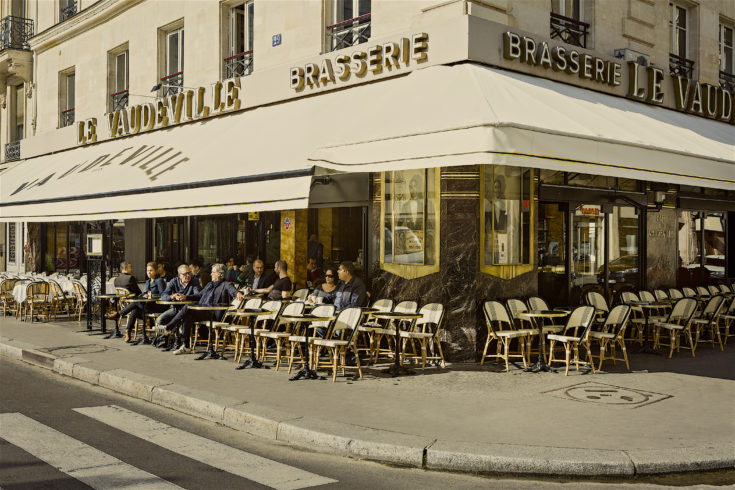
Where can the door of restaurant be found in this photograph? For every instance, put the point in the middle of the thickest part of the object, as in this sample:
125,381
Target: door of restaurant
586,247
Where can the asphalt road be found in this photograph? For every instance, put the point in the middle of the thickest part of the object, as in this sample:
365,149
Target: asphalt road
59,433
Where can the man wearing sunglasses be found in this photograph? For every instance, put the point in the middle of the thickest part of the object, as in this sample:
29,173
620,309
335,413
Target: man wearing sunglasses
178,289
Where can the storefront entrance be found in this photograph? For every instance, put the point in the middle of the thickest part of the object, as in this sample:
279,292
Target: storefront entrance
587,247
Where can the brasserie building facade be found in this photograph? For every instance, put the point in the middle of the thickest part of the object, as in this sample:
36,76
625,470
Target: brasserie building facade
457,157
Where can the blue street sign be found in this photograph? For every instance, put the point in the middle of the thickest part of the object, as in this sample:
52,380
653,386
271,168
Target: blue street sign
276,40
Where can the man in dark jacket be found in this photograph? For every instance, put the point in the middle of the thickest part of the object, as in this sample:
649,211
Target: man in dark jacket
181,288
126,279
352,291
260,279
217,292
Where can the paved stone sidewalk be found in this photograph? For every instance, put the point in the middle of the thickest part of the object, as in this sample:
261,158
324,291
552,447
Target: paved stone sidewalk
667,415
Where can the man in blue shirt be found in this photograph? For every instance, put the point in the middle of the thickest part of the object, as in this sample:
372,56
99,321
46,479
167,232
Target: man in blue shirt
216,292
180,288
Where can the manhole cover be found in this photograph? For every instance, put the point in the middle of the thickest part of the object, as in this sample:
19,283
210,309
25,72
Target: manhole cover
605,394
75,350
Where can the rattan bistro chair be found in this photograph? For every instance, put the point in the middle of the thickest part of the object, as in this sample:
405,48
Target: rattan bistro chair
708,321
261,325
389,331
727,320
613,335
298,337
688,292
279,334
500,329
346,324
300,294
713,290
703,291
678,323
575,333
37,301
6,296
425,330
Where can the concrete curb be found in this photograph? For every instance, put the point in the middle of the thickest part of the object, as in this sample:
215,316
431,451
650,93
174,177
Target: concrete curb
376,444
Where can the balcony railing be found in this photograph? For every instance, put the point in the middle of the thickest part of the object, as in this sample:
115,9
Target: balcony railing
681,66
569,30
172,84
349,32
68,11
67,117
727,81
239,65
12,151
119,100
14,32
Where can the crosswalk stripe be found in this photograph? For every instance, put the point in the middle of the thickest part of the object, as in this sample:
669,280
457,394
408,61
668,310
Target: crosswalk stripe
253,467
73,457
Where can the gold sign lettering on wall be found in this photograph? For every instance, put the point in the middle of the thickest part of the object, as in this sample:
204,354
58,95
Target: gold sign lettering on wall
186,106
387,56
659,228
645,84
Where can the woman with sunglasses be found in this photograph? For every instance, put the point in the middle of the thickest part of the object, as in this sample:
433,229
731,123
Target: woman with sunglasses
325,293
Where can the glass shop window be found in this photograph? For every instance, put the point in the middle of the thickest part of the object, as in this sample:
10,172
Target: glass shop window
507,198
410,211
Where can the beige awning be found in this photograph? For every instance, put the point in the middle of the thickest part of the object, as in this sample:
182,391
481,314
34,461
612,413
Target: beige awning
263,159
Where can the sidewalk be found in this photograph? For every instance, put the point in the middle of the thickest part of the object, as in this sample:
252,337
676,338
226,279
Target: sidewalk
667,415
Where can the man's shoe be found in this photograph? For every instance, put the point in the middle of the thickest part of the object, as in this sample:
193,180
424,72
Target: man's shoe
146,340
171,346
182,350
112,316
117,334
127,336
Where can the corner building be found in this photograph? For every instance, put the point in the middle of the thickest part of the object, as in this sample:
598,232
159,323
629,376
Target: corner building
455,151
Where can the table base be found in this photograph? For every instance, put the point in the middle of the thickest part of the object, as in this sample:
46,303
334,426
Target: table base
646,349
306,373
538,367
210,355
92,331
252,363
396,370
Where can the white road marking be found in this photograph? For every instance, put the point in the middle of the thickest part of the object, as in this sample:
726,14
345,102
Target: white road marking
73,457
253,467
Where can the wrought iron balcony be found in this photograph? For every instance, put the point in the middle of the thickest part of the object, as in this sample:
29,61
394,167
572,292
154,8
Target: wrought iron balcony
569,30
119,100
239,65
14,32
68,11
12,151
172,84
349,32
727,81
681,66
66,117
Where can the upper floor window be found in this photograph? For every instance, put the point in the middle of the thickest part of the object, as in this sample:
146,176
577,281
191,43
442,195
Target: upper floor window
350,23
679,27
239,59
118,63
566,22
66,98
172,80
18,111
727,57
67,8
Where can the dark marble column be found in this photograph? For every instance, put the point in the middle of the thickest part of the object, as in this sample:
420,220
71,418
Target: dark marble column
661,249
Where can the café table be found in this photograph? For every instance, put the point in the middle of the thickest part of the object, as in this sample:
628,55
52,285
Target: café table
143,303
212,309
253,362
308,318
103,329
646,306
537,318
396,369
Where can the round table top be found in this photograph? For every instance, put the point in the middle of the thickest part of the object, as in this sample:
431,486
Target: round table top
210,307
176,302
144,300
254,312
394,315
648,304
543,314
306,318
112,296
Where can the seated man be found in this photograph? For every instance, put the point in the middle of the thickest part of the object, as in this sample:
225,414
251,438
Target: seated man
199,271
216,292
179,289
314,275
259,279
352,291
126,279
154,287
281,288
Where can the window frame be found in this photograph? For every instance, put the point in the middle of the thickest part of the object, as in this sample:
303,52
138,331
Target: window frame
722,46
562,10
412,271
113,88
674,29
509,271
179,47
64,95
